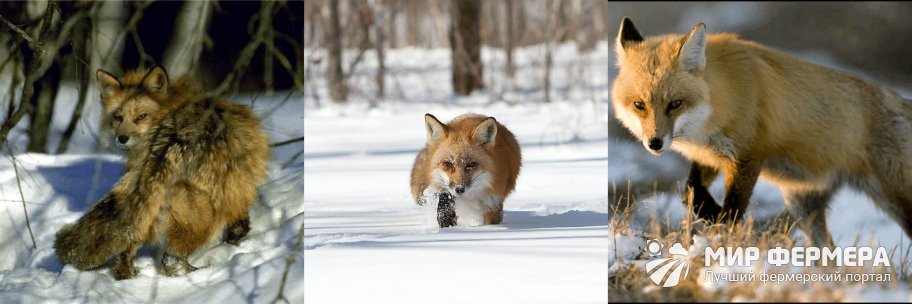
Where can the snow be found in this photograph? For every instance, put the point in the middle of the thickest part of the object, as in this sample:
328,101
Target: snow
367,241
58,189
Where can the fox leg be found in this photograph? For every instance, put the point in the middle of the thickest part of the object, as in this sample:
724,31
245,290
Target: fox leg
494,217
697,194
238,230
808,208
739,186
123,265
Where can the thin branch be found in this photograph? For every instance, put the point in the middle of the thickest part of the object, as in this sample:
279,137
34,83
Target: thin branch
22,196
290,141
36,45
240,66
292,257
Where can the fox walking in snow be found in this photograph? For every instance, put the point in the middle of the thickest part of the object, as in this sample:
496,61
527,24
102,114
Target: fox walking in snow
748,111
470,166
193,165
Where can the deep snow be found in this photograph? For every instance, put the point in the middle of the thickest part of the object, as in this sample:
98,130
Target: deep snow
367,241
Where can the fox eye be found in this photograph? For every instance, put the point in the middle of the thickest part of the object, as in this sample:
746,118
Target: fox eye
674,104
118,117
448,164
639,105
471,166
141,117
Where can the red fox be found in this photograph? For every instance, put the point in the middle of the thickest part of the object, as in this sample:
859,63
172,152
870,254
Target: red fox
193,165
748,111
470,165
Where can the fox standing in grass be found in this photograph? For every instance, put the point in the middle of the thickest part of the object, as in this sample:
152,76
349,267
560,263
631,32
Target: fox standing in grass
749,111
193,164
470,165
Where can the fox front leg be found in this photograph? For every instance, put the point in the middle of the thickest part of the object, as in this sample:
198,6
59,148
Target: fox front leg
446,210
739,186
696,194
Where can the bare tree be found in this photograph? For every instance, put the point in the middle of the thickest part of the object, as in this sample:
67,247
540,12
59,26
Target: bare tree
183,52
508,37
337,88
465,41
381,14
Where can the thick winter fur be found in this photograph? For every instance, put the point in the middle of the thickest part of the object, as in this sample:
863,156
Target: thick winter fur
472,163
193,165
748,111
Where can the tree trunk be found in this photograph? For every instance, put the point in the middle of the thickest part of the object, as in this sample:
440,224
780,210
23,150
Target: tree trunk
336,82
43,107
183,52
550,34
382,16
465,41
107,23
80,40
508,37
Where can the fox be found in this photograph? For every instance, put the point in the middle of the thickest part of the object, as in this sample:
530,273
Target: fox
193,164
750,112
469,166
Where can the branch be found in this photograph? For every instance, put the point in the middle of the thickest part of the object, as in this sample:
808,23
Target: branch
35,45
22,196
240,66
290,141
288,262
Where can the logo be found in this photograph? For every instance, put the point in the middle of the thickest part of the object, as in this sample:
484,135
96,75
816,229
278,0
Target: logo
667,272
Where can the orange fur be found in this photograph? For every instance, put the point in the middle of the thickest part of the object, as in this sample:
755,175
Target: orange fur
463,154
748,111
193,164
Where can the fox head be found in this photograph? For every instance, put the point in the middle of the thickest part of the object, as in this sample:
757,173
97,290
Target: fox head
660,93
131,105
459,151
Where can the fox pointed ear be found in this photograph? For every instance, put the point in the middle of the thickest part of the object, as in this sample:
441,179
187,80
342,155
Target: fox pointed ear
108,85
692,54
436,131
156,81
486,132
627,36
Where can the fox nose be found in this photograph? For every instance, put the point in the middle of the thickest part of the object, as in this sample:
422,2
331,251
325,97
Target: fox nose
122,139
655,144
460,189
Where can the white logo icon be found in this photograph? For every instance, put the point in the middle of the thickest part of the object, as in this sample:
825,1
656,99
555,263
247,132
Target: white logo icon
666,272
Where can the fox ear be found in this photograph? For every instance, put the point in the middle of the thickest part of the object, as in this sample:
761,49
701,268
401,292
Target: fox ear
486,132
108,85
156,81
692,54
627,36
436,131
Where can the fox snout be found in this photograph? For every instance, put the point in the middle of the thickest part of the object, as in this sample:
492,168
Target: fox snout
458,189
123,142
657,144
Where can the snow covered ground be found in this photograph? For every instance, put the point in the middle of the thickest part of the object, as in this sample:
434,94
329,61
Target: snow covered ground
367,241
59,189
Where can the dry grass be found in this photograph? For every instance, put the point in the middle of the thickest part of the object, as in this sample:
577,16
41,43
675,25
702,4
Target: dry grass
630,282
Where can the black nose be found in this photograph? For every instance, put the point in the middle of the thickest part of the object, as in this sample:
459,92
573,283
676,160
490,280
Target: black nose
460,189
123,139
655,144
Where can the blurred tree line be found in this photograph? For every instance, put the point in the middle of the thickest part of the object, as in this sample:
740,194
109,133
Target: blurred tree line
463,26
869,37
229,46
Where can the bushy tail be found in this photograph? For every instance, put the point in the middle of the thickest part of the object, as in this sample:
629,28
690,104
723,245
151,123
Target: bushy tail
95,238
